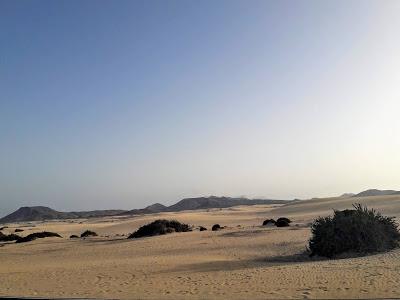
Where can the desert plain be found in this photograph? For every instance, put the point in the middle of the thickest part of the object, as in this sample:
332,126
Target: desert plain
243,261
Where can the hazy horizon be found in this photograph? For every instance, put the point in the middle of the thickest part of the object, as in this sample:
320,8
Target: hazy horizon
123,104
177,200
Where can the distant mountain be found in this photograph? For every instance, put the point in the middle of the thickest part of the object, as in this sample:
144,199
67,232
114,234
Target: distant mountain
375,192
154,208
94,213
218,202
40,213
34,213
347,195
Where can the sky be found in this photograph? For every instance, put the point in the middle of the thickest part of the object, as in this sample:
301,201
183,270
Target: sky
120,104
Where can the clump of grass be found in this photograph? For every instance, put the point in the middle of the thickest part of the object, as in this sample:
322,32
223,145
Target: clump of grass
160,227
37,235
216,227
88,233
283,219
282,222
269,221
359,230
8,237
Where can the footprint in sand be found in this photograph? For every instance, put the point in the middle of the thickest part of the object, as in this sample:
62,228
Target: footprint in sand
97,280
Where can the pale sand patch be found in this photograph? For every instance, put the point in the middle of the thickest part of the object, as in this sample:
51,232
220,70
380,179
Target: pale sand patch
239,262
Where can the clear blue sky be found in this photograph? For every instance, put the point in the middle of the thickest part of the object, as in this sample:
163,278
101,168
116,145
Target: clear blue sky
119,104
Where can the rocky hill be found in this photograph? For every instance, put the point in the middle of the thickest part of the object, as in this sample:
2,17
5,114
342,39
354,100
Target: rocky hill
375,192
154,208
40,213
218,202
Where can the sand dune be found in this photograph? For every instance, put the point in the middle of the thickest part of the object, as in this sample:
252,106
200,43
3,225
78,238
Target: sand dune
249,261
308,209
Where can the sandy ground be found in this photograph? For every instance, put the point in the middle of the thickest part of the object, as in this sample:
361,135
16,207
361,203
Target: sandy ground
244,261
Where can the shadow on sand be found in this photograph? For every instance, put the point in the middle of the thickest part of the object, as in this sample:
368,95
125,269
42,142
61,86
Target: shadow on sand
241,264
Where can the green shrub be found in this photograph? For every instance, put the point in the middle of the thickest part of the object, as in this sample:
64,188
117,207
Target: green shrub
360,230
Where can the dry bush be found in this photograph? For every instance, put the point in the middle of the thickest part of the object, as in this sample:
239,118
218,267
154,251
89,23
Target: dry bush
360,230
160,227
88,233
37,235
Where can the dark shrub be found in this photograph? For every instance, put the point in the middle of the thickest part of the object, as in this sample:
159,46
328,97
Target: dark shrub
160,227
9,237
286,220
37,235
361,231
281,222
268,221
88,233
201,228
74,236
216,227
18,230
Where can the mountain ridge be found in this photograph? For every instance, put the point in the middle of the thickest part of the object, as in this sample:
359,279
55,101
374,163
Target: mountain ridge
376,192
40,213
218,202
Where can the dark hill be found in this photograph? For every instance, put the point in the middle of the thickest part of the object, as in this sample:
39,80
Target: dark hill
157,207
375,192
34,213
94,213
347,195
218,202
41,213
151,209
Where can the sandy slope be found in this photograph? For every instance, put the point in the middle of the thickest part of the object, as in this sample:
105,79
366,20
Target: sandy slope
239,262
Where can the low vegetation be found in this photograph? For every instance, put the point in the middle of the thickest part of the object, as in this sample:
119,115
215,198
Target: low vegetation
37,235
74,236
269,221
160,227
216,227
88,233
282,222
283,219
360,230
8,237
201,228
18,230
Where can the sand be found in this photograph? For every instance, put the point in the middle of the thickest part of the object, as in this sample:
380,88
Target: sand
240,262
